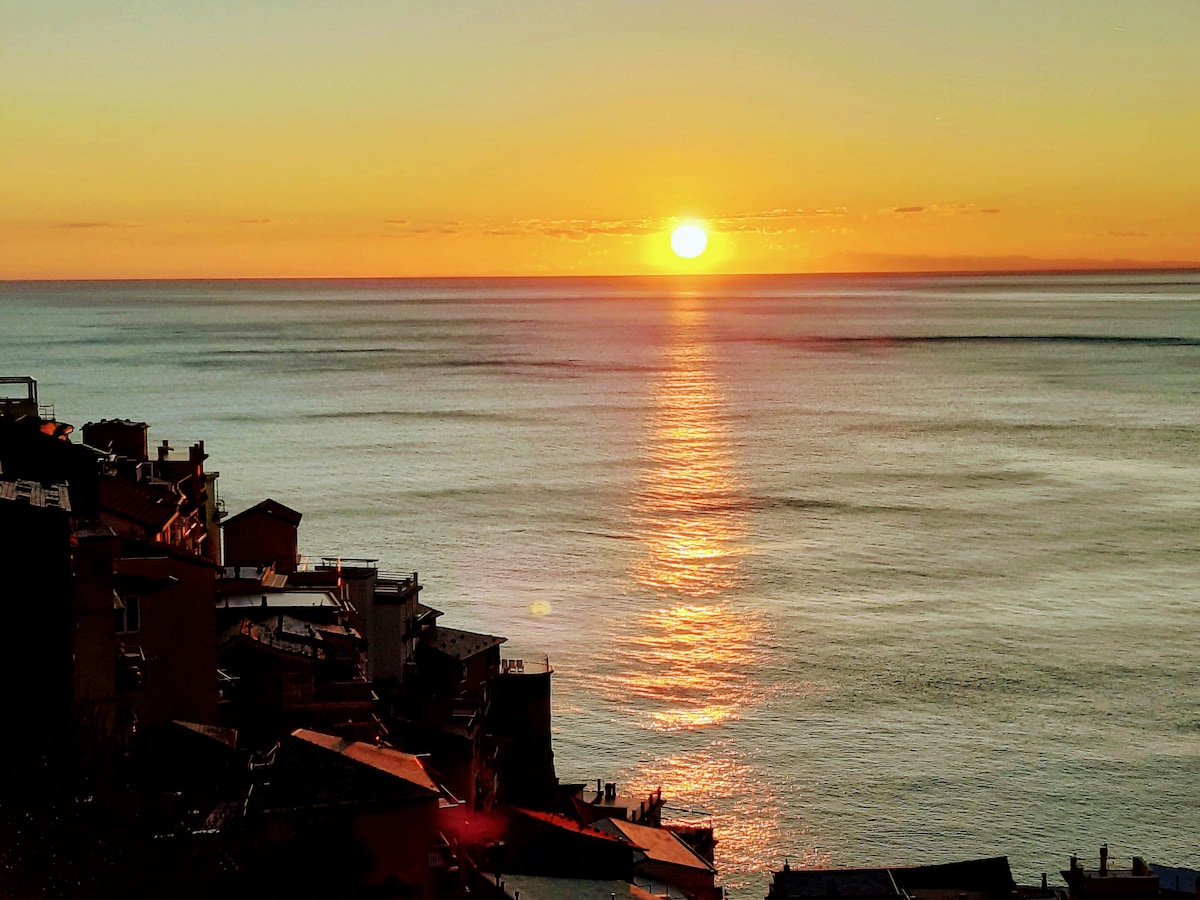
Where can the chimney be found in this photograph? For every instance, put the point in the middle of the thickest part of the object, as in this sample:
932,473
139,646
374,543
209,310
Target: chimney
1045,885
1104,859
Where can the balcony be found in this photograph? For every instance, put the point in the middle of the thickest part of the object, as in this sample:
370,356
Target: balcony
521,667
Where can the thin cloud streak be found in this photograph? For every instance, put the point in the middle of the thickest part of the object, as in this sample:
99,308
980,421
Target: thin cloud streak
781,220
94,225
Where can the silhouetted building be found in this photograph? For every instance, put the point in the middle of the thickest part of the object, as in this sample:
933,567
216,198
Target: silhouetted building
664,864
163,621
263,535
980,879
1108,881
530,842
606,802
169,499
443,708
234,715
286,672
369,812
119,608
18,397
519,724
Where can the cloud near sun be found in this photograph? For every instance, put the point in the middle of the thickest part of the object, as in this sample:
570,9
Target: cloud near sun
769,222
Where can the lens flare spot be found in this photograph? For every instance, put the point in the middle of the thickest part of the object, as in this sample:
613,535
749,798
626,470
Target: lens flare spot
540,608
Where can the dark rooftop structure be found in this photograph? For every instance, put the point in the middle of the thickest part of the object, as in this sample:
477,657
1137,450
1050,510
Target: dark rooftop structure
1176,882
1135,881
541,887
121,437
263,535
461,645
991,877
803,883
150,506
15,402
392,762
272,509
311,773
980,878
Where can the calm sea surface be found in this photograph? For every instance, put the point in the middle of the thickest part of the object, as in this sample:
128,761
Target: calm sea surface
870,570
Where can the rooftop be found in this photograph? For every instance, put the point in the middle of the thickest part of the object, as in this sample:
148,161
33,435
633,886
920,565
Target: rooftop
307,774
461,645
657,844
280,600
538,887
991,876
151,505
226,736
270,508
291,636
558,821
54,496
384,759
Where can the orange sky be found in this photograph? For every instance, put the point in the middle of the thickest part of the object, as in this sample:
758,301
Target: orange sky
148,138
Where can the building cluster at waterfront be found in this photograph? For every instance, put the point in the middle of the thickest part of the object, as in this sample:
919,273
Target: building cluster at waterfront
195,709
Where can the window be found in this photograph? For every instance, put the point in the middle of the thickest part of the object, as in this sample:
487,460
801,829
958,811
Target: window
127,615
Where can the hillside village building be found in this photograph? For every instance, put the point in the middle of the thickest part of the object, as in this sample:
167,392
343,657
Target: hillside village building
200,682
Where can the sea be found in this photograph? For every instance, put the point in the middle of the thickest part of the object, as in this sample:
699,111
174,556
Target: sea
863,570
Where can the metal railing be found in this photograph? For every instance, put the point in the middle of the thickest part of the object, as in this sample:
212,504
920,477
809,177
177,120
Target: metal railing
396,578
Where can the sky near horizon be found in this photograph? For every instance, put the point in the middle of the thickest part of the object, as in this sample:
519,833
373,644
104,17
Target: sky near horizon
152,138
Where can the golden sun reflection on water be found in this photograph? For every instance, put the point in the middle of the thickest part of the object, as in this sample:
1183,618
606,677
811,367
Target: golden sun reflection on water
693,663
737,800
688,510
686,664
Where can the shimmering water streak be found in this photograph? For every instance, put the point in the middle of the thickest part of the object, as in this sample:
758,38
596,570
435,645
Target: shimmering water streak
691,664
686,660
688,510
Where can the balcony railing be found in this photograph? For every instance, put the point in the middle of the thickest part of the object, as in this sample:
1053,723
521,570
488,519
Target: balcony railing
385,579
337,562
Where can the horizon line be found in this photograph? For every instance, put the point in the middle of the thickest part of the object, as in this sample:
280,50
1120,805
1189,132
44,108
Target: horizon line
900,273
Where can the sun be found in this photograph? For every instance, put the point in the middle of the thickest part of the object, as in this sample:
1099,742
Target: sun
688,241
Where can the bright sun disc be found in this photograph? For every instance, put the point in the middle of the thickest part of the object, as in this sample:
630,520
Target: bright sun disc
688,241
